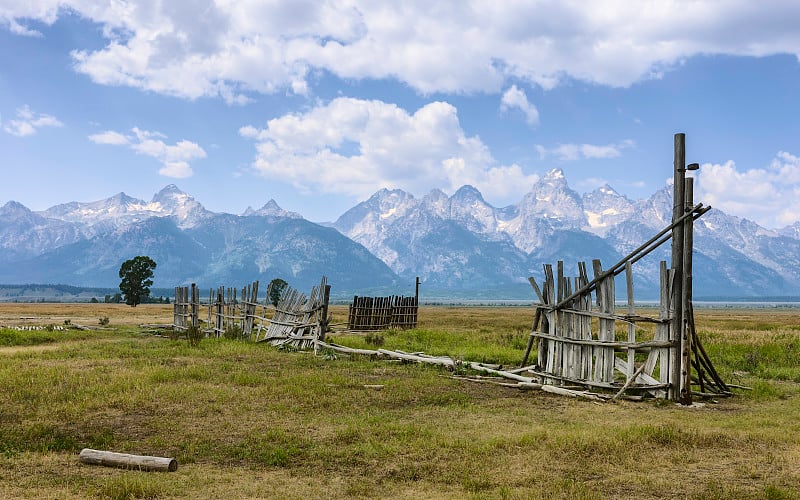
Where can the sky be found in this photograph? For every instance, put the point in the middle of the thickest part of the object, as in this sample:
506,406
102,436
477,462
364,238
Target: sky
319,104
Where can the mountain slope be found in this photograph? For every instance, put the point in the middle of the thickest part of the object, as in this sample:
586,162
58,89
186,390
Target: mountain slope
458,243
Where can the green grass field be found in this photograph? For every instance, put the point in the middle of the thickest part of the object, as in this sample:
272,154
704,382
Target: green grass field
248,421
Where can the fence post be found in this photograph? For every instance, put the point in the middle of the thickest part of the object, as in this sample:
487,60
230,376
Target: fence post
686,341
676,331
324,321
194,303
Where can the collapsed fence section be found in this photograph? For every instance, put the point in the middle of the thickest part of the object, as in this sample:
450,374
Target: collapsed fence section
296,319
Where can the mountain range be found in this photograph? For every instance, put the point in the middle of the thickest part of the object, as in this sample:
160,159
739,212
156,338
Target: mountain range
457,244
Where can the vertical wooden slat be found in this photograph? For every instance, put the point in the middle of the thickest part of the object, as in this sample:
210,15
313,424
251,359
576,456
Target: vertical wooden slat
631,325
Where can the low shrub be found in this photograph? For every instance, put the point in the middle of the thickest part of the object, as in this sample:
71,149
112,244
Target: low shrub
194,334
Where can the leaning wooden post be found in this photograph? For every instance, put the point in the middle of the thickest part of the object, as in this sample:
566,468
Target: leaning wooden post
676,330
125,461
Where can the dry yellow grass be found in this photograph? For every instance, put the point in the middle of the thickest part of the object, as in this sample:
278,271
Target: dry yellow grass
248,421
12,314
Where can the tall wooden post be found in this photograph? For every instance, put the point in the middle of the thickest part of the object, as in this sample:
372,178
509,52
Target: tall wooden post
676,330
686,339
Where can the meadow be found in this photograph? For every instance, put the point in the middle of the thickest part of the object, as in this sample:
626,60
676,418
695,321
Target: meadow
251,421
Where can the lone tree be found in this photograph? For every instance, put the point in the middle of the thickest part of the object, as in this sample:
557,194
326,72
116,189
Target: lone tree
136,275
276,288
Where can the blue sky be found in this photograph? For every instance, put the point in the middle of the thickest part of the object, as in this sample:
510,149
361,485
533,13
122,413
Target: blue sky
320,104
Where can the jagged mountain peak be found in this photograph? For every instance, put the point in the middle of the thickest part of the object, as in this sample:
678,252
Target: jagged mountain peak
121,197
172,201
390,195
170,188
551,198
272,209
436,195
605,208
606,190
437,202
552,188
655,212
555,173
14,208
171,195
118,205
468,192
792,231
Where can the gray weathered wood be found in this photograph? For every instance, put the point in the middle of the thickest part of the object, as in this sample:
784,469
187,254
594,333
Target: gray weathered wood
433,360
123,460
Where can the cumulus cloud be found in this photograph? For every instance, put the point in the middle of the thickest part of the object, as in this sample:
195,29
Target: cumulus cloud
174,158
28,122
235,48
769,196
514,98
110,137
572,152
352,146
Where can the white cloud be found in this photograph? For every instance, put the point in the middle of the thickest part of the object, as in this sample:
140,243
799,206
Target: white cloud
572,152
769,196
110,137
175,158
18,29
228,49
28,122
354,147
516,98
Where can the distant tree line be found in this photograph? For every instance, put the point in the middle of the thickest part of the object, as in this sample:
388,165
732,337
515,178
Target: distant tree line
117,299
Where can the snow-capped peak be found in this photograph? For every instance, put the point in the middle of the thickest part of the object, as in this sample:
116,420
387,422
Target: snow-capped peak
604,208
272,209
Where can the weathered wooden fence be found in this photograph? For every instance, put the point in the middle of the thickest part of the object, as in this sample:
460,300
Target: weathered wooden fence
578,339
382,313
579,343
296,320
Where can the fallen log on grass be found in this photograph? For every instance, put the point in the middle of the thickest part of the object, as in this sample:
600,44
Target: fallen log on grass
344,349
434,360
125,461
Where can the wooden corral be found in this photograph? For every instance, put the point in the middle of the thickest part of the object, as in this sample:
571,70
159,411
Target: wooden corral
577,343
575,321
